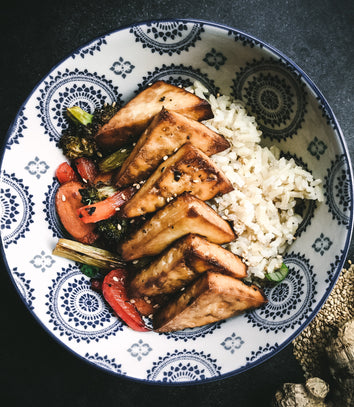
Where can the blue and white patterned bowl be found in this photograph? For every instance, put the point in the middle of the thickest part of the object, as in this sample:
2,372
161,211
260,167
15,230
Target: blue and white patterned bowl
291,112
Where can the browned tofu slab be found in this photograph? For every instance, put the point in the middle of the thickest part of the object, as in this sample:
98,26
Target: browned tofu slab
212,297
183,262
183,215
188,170
133,118
167,132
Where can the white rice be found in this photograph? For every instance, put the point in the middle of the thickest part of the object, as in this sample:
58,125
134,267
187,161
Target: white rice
261,206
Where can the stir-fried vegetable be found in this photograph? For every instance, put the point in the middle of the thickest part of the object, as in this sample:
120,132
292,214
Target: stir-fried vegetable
86,254
114,289
278,275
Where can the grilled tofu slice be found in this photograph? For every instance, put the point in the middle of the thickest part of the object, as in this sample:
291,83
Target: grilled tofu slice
182,263
183,215
167,132
188,170
212,297
133,118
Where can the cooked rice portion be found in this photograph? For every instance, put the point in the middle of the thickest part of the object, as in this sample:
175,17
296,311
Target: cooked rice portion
267,186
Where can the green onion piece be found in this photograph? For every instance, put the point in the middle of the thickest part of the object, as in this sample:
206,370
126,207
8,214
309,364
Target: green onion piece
86,254
114,160
78,115
278,275
89,271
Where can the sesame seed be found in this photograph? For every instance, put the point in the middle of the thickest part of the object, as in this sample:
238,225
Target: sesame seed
115,278
85,180
124,150
113,104
117,209
132,301
63,198
165,157
135,261
119,226
123,196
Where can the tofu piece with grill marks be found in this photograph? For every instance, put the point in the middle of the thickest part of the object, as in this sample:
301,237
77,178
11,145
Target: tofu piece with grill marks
182,263
133,118
167,132
183,215
188,170
212,297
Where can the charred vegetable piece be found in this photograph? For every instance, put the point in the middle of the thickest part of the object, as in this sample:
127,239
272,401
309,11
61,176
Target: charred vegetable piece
182,263
67,202
86,254
183,215
212,297
115,160
167,132
92,194
188,170
78,140
114,289
113,229
65,173
132,119
105,209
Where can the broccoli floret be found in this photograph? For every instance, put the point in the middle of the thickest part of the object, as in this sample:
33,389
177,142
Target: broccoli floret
102,116
112,229
93,194
78,140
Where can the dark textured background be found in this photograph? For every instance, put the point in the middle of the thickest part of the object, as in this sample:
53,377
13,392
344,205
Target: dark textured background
318,35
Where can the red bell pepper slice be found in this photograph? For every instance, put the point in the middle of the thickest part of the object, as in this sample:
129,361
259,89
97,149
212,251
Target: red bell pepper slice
65,173
114,289
105,209
87,169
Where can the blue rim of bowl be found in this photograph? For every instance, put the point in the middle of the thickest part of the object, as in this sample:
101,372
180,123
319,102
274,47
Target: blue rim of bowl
343,144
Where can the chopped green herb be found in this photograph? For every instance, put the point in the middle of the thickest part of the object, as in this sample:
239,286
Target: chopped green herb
278,275
89,271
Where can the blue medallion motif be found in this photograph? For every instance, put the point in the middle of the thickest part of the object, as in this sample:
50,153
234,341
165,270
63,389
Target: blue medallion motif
69,88
194,333
178,75
338,191
170,37
322,244
16,209
78,312
105,363
24,286
51,216
317,148
261,351
37,167
183,366
274,94
122,68
245,40
91,48
289,302
232,343
42,261
17,130
215,59
139,349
